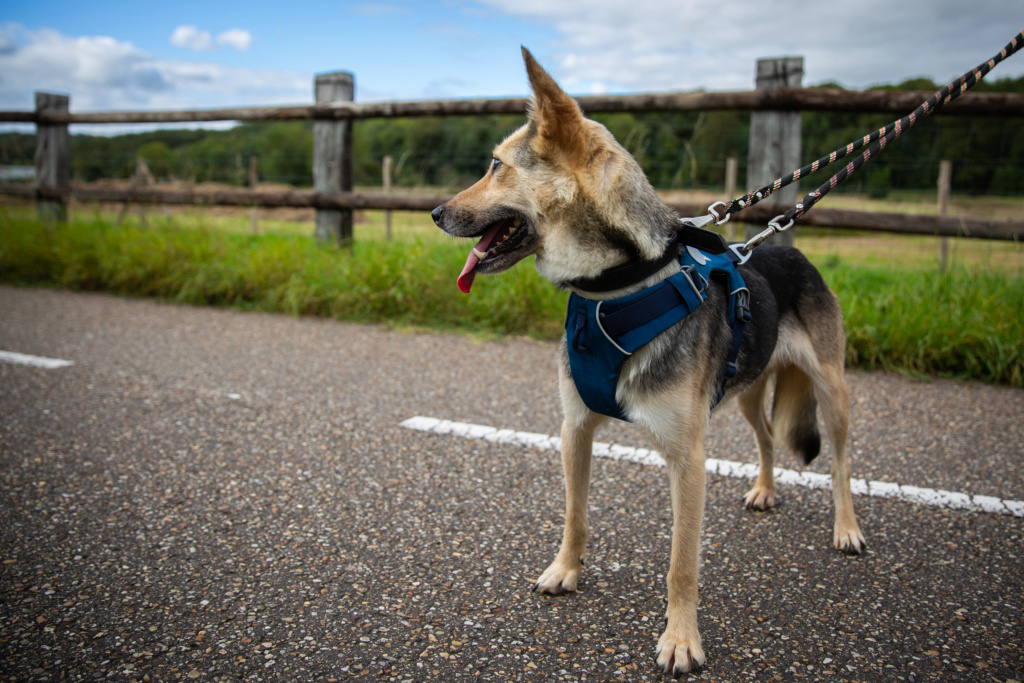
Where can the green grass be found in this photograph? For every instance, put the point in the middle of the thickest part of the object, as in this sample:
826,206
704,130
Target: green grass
965,323
408,282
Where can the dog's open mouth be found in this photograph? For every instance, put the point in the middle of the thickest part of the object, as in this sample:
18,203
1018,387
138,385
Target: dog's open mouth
498,239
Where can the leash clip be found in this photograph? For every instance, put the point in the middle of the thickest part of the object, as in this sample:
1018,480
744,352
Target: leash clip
773,227
718,219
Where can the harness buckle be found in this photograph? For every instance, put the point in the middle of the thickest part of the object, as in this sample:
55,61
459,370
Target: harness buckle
743,304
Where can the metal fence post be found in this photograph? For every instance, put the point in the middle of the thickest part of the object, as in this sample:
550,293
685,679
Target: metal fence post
53,157
775,138
332,156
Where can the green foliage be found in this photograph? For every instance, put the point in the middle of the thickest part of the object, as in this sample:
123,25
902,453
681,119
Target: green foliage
966,323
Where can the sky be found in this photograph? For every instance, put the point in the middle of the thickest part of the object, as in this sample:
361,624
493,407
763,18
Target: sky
113,55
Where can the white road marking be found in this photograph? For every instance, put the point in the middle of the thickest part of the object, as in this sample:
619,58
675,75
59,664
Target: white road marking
35,361
727,468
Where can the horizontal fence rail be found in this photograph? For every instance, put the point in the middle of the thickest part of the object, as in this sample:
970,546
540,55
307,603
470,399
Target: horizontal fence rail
784,99
842,219
333,199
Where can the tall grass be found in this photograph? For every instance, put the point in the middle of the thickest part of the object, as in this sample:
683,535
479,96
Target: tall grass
409,282
965,323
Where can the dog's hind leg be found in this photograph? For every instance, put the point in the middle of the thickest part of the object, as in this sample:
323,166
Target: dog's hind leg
834,398
821,354
751,404
577,448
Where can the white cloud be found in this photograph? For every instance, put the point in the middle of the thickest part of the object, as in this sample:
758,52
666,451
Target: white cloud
238,38
102,74
191,38
686,44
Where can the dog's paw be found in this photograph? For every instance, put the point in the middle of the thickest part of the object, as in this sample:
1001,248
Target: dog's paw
679,653
849,540
559,578
760,498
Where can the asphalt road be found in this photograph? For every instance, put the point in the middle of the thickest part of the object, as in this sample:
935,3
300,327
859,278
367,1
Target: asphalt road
215,495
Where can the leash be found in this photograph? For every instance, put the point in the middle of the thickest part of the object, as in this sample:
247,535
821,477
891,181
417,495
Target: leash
877,141
602,334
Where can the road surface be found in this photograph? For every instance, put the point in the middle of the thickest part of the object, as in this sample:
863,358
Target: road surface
217,495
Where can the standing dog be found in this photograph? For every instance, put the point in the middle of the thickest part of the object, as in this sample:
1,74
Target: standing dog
563,190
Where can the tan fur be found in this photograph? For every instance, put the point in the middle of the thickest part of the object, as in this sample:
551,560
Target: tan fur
808,357
579,193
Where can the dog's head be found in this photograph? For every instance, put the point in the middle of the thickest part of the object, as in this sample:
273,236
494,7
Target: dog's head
560,188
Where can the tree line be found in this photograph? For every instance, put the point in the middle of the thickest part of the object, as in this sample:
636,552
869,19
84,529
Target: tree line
685,150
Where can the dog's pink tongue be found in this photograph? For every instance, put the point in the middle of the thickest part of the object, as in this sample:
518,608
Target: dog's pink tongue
468,273
465,280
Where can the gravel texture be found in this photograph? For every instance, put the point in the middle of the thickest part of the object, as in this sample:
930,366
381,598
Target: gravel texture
216,495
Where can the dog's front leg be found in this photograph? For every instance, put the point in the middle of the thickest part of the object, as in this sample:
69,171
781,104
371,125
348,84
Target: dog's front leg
679,649
577,447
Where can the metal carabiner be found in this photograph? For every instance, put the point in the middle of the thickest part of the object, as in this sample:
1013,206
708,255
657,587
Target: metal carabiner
718,219
773,227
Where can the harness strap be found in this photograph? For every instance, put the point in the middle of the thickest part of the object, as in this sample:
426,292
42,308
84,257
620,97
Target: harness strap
602,334
657,300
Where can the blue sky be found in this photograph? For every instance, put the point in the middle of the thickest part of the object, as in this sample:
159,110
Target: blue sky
116,55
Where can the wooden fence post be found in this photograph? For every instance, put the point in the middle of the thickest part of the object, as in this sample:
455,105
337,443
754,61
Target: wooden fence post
945,183
53,157
386,171
775,139
332,156
254,177
142,177
731,166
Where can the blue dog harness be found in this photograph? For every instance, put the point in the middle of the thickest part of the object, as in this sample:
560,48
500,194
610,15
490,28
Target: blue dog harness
601,335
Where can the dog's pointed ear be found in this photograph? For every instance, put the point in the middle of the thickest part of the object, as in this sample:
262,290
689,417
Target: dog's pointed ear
558,118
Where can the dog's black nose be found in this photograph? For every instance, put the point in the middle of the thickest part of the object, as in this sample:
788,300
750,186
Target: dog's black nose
436,214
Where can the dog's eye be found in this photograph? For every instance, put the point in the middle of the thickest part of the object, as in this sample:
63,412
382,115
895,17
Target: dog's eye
495,164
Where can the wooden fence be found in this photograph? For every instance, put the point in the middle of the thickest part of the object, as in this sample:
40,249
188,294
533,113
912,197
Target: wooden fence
335,111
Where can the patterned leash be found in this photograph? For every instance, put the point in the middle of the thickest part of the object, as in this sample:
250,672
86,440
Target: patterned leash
878,141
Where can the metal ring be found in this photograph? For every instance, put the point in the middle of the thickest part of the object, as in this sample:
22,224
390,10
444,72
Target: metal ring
745,256
718,221
774,223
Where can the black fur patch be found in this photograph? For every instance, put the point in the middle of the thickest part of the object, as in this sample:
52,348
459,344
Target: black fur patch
806,439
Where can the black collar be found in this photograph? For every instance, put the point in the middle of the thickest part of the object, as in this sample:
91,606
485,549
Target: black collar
632,272
628,273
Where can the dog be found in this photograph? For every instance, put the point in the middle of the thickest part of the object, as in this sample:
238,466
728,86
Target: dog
561,189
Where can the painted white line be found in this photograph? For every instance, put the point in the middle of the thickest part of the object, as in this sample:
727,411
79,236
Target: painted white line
727,468
35,361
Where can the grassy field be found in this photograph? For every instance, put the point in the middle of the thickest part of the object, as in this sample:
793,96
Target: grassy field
901,313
